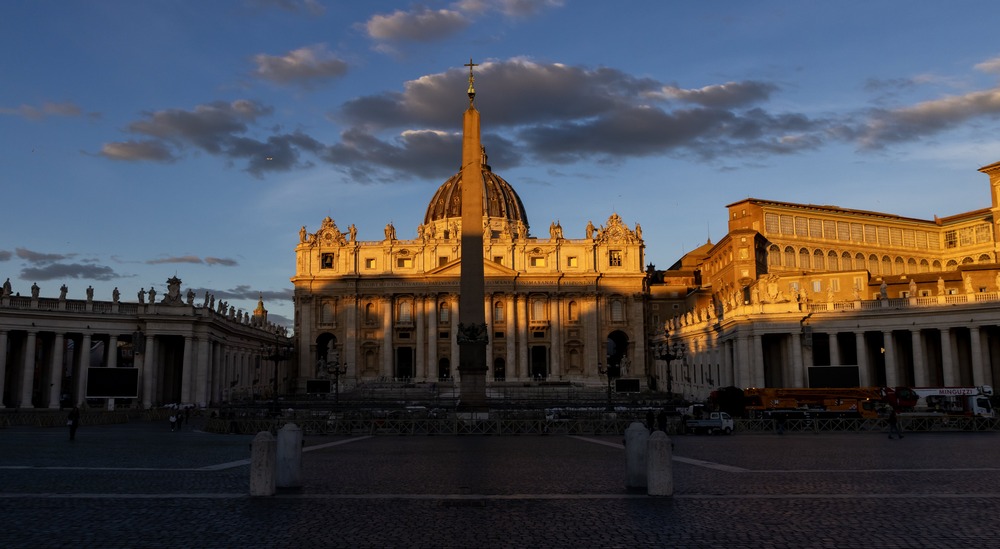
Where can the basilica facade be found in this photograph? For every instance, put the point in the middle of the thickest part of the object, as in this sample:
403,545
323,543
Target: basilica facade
559,307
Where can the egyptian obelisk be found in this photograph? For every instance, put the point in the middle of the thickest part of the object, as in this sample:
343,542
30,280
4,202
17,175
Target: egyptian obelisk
472,336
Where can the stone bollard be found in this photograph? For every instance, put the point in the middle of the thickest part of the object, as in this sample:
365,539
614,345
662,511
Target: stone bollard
660,465
262,466
289,456
636,437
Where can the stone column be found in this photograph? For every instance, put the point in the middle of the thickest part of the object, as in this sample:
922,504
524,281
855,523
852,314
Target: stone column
83,361
432,337
726,376
758,361
187,370
978,371
3,363
200,390
864,375
55,372
420,328
148,371
948,358
891,374
522,337
920,377
556,327
797,366
112,351
510,361
28,371
453,339
352,333
834,349
488,354
388,358
743,359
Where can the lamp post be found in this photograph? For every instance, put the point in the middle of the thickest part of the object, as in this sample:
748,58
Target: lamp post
334,369
612,372
667,352
279,351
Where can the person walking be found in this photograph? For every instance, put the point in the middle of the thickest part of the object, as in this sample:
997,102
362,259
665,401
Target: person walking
894,423
173,421
74,422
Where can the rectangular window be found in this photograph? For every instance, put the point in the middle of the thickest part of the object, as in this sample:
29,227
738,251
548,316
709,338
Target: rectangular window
883,235
801,226
921,240
815,228
786,225
871,235
896,237
404,335
830,230
965,237
404,262
950,239
835,284
983,234
843,231
615,258
369,262
908,238
571,261
771,223
498,259
328,313
443,335
857,232
537,261
498,335
442,260
817,286
327,261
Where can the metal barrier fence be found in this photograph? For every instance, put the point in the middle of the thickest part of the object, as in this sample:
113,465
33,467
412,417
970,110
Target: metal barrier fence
906,423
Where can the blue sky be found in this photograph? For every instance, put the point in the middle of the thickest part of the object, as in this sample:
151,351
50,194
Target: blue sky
143,140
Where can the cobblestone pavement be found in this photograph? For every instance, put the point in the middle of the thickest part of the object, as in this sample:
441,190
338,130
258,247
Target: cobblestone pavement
140,485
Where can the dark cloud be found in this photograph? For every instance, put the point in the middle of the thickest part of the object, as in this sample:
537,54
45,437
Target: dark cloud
246,292
5,255
420,25
312,7
304,66
221,261
38,257
194,260
57,271
887,126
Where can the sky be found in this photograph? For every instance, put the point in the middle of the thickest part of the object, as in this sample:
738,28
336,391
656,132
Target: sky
145,140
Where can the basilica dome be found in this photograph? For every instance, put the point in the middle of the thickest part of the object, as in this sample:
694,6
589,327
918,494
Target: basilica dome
500,201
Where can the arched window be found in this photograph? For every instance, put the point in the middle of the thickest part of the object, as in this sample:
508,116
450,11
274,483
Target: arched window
936,266
924,266
911,266
803,258
845,261
967,261
370,317
573,311
405,312
886,265
897,266
617,311
951,265
831,261
818,260
873,264
444,312
498,312
774,256
859,262
985,258
789,257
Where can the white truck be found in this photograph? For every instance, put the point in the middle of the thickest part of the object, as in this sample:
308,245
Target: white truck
714,422
962,401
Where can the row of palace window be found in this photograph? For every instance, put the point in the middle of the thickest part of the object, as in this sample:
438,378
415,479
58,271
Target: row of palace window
538,311
832,261
883,235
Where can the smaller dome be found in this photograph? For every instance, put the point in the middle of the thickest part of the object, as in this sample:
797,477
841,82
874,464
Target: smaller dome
499,200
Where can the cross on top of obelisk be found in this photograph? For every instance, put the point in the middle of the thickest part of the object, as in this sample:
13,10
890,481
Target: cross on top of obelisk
472,79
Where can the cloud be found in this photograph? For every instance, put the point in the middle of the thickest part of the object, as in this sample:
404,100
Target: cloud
990,65
728,95
57,271
5,255
138,150
194,260
886,126
304,66
244,291
38,257
45,110
420,25
217,128
312,7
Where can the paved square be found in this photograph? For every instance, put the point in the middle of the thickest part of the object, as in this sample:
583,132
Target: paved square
139,485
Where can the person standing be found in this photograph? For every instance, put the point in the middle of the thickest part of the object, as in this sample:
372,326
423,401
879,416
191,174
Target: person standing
173,421
894,423
74,422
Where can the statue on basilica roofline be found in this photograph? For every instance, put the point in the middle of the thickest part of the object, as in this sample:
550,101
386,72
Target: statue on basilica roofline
353,231
63,290
7,288
35,290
